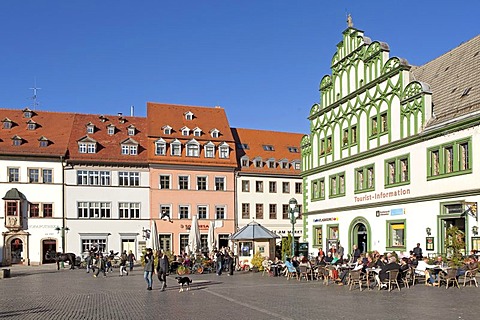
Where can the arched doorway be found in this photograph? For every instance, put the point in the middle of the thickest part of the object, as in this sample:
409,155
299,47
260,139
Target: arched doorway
48,245
360,234
16,251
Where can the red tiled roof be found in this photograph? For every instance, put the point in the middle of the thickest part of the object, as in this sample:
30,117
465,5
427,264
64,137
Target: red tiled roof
108,146
55,126
255,140
160,115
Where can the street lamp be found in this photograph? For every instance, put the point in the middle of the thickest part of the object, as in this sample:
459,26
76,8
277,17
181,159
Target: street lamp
63,230
293,214
145,233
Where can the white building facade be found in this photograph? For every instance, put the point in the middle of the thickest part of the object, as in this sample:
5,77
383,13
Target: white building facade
388,164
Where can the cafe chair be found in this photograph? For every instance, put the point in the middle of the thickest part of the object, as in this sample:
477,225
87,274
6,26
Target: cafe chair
266,268
304,273
470,276
355,277
419,277
449,276
391,280
407,277
292,272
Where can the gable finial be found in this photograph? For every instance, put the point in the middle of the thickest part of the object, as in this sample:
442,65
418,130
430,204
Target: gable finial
349,21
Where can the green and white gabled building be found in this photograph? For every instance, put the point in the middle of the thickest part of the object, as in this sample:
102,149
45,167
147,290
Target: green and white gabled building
392,158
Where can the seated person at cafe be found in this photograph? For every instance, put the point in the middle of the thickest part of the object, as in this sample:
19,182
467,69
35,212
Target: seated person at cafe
391,265
329,258
305,263
289,266
343,276
320,261
421,269
296,263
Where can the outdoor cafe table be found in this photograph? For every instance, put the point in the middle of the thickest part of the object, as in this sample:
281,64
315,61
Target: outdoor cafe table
373,271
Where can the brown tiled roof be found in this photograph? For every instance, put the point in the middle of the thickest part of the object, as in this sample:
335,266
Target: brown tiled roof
255,140
54,126
160,115
449,77
108,146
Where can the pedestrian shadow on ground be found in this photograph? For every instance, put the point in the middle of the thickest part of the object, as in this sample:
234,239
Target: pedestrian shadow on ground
194,286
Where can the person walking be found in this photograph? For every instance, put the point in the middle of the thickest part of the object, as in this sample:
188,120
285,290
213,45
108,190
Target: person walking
162,269
149,267
340,251
123,263
131,260
89,261
100,266
219,256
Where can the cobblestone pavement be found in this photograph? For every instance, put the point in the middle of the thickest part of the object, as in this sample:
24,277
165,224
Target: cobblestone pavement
44,293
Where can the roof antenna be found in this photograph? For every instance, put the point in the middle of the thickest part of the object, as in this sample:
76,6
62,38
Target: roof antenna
34,97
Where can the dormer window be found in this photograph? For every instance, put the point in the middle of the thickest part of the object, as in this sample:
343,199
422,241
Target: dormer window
243,146
209,150
131,130
167,130
293,149
102,118
7,123
296,165
121,119
271,163
31,125
193,148
176,148
43,142
17,141
90,128
87,145
284,164
197,132
244,161
27,113
185,131
224,151
188,115
268,147
129,147
214,133
258,162
111,130
160,147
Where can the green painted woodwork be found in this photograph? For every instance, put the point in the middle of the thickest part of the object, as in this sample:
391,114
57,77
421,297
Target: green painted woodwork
397,171
352,228
390,246
362,183
459,153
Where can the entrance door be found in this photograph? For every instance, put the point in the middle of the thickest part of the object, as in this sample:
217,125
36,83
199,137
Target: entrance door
360,237
48,245
128,244
453,222
223,240
16,254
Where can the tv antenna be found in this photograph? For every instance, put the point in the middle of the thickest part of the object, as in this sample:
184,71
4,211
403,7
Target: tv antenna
34,97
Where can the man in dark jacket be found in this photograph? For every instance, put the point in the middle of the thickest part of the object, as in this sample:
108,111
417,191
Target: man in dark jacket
162,269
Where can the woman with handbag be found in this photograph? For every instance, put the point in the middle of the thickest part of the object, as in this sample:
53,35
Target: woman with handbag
162,269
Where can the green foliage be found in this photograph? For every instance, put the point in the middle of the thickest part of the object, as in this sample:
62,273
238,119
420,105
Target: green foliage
454,245
287,247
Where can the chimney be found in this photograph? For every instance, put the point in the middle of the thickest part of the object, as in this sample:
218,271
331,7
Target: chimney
132,111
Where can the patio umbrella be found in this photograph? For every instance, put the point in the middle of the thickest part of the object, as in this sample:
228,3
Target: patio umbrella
211,237
154,237
194,236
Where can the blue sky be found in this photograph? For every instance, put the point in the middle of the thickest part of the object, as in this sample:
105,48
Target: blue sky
260,60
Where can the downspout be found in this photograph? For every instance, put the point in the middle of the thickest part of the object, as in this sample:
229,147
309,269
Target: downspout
64,205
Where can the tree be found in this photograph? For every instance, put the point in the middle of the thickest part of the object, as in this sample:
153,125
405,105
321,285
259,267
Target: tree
454,245
287,247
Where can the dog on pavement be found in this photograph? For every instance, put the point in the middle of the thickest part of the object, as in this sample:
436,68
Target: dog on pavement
184,282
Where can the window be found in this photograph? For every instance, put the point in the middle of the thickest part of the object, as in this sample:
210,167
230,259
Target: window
293,149
91,147
214,133
197,132
111,130
7,124
101,244
272,211
209,151
259,186
165,211
272,186
245,186
284,164
271,164
167,130
364,179
47,175
220,183
202,212
13,174
318,240
131,131
298,188
268,147
286,187
183,241
243,146
17,141
193,150
125,149
176,149
396,235
185,132
219,212
258,163
82,148
450,159
245,210
318,189
128,178
183,182
224,151
337,185
188,115
129,149
328,147
33,175
397,171
296,165
94,210
34,210
164,182
95,178
285,209
183,212
129,210
165,242
160,148
47,209
259,211
379,124
31,126
201,183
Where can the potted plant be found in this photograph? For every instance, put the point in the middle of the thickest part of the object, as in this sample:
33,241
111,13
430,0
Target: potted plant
257,262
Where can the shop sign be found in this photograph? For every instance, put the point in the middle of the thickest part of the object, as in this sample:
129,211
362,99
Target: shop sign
325,219
379,213
397,212
200,226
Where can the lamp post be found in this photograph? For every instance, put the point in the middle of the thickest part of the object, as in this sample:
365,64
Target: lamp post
63,230
293,213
